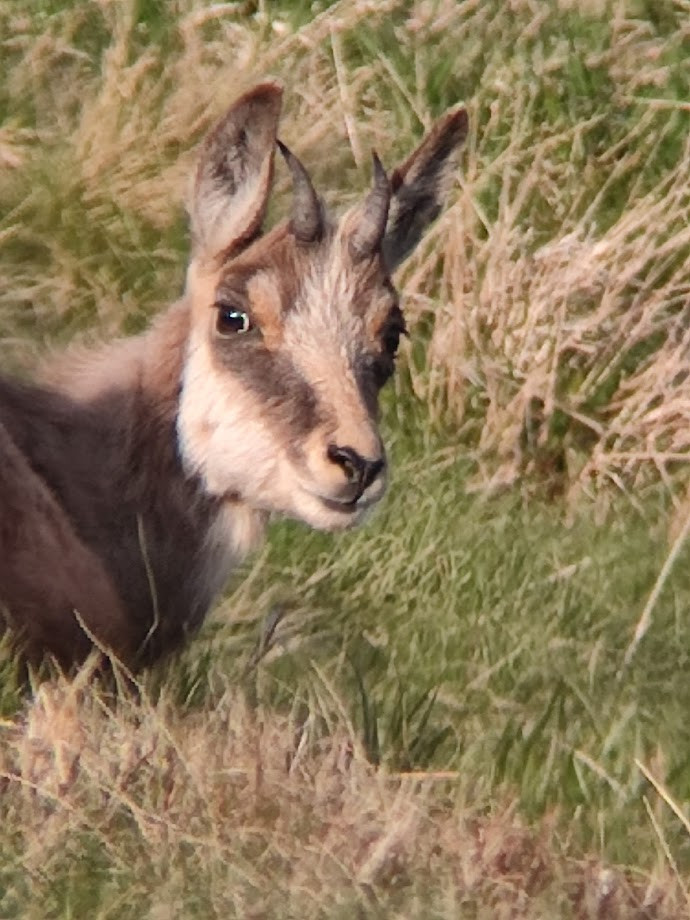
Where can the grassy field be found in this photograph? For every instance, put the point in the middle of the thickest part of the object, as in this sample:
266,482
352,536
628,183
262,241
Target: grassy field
476,706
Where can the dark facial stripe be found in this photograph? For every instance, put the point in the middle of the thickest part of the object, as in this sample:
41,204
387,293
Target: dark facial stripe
284,394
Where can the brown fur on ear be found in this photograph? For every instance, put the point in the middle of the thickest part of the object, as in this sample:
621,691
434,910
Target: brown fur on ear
233,178
420,186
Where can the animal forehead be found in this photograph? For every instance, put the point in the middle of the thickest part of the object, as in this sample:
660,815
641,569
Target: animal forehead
294,275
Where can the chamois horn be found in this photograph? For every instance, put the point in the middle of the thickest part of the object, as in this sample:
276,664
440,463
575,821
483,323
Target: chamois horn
307,220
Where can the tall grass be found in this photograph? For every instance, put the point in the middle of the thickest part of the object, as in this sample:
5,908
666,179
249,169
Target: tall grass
371,721
553,292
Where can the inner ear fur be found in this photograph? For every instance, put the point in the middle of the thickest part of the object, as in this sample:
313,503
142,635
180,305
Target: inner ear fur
421,185
234,174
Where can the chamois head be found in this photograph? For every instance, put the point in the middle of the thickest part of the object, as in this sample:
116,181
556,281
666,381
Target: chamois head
294,331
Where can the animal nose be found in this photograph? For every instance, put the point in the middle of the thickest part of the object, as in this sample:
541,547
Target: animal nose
357,468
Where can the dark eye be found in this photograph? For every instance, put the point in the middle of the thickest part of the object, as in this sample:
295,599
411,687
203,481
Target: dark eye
394,328
391,340
232,321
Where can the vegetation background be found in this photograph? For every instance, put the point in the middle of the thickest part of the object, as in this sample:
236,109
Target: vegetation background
476,706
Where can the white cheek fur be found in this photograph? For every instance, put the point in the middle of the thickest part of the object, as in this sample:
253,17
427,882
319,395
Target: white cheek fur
219,427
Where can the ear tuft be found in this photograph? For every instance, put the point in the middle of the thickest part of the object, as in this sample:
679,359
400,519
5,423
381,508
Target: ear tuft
421,185
234,174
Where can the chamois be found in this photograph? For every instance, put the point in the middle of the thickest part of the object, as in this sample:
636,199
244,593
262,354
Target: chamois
134,476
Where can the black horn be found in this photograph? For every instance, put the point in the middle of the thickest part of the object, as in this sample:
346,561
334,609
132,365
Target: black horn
366,239
307,220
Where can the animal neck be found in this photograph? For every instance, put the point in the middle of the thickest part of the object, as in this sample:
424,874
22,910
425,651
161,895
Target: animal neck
129,395
235,527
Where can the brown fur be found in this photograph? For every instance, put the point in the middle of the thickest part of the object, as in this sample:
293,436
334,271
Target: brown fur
82,480
134,476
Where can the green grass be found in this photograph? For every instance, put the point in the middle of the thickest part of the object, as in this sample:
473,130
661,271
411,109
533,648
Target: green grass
512,624
479,623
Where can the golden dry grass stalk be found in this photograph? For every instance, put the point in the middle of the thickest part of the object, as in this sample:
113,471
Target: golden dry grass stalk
231,795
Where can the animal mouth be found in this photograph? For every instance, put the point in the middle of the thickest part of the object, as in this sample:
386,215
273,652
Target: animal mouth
345,507
349,505
359,502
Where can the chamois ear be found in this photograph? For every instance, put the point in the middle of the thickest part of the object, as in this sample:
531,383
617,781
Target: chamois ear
233,178
420,186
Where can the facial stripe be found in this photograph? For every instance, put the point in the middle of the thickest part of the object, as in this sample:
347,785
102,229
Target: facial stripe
284,395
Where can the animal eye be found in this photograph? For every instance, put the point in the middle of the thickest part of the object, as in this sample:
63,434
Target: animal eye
391,340
390,336
232,321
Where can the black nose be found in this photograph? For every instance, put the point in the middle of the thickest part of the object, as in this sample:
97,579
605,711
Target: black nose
358,470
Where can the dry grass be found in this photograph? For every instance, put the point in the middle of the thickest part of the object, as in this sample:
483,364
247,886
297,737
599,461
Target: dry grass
561,335
549,309
236,812
561,340
588,331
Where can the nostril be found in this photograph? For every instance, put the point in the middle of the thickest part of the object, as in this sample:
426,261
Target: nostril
356,468
346,458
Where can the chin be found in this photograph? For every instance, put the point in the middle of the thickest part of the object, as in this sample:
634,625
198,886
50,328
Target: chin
332,521
286,495
327,515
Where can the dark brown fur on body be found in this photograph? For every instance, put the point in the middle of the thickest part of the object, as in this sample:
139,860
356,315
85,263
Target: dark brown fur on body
107,488
133,478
